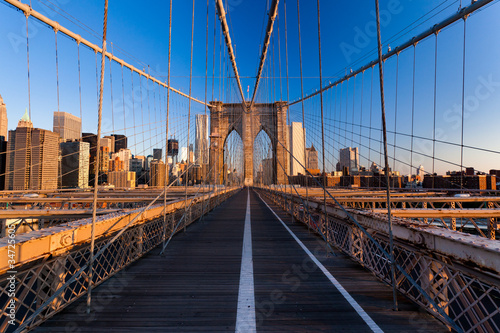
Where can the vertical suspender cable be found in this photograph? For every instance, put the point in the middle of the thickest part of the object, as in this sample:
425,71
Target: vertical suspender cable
123,103
59,180
57,69
79,81
287,100
412,113
29,82
371,109
28,64
302,96
396,113
111,97
435,105
133,107
384,129
463,111
361,108
99,118
189,118
322,118
165,181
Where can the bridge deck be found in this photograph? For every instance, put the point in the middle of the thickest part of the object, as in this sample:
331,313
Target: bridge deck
195,287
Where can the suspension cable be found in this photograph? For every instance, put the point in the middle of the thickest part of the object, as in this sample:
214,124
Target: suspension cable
189,113
463,107
269,31
387,177
167,171
96,176
322,117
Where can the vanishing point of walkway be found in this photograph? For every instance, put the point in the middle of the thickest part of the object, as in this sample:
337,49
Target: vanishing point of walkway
244,269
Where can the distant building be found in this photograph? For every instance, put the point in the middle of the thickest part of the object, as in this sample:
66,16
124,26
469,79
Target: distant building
112,142
103,159
201,139
420,173
349,159
157,153
122,179
136,165
75,158
149,159
296,148
32,158
173,147
183,155
458,181
124,155
3,159
120,142
92,140
108,142
3,119
312,158
157,173
68,126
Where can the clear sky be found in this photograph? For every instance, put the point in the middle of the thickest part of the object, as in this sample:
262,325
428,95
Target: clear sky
140,28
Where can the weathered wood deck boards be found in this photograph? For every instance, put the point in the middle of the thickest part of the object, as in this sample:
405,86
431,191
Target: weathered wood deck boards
194,288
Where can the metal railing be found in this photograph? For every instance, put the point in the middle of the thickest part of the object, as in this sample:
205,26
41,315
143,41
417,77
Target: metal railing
39,281
468,295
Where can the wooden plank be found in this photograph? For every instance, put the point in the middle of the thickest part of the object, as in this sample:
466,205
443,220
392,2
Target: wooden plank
194,288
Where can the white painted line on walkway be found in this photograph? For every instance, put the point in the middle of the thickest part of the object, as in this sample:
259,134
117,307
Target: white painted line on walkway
369,321
245,317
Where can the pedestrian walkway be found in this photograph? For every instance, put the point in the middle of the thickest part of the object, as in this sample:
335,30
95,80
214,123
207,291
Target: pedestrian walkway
243,268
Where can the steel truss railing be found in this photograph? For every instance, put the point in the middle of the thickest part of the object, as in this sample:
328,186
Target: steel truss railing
469,297
38,281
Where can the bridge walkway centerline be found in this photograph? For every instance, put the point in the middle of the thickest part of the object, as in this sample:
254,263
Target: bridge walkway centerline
194,288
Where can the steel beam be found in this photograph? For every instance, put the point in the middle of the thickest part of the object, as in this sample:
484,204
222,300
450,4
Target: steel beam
441,213
269,31
225,29
462,247
28,11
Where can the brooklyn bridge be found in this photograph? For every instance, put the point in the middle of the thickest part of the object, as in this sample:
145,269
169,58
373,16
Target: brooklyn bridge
341,178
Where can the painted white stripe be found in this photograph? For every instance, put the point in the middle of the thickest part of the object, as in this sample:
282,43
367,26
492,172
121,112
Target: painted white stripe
374,327
245,317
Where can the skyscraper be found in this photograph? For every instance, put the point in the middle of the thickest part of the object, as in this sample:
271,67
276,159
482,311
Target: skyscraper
91,138
157,173
296,147
75,158
108,142
201,139
68,126
111,143
3,158
157,152
3,119
349,158
32,157
120,142
312,158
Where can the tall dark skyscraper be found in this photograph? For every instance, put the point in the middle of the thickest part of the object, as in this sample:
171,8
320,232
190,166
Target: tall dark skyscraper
157,154
75,164
201,139
91,138
3,158
120,142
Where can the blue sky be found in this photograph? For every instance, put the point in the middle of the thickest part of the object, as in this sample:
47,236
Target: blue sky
141,29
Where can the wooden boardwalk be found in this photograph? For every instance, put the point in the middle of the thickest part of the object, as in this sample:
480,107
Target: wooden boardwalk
194,288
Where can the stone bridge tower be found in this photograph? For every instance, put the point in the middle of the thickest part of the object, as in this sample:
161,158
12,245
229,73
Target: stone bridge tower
271,118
